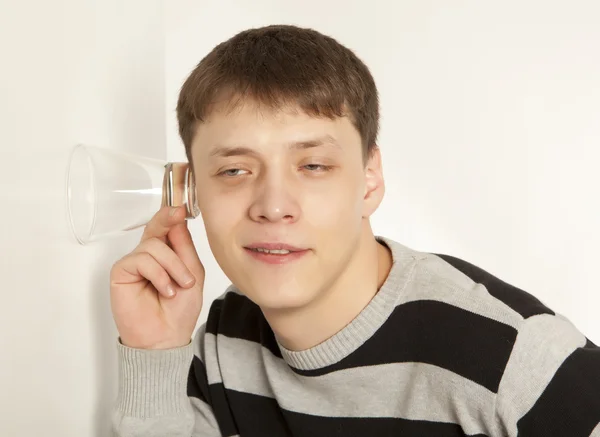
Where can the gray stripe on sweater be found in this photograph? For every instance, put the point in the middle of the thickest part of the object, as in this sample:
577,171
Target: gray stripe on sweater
414,391
205,423
523,384
437,280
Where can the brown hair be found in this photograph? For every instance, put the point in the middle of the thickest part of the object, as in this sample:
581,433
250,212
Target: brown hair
283,64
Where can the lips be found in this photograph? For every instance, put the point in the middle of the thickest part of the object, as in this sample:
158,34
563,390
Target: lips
258,251
274,246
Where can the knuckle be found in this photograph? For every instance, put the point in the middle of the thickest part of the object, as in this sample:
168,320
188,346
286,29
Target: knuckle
117,265
145,258
163,278
149,245
113,269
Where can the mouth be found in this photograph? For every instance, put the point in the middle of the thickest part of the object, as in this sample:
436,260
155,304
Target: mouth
275,253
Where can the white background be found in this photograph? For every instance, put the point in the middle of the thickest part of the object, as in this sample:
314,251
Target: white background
490,131
71,71
490,139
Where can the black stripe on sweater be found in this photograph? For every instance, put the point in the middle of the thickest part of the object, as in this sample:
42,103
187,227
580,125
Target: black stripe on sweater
522,302
432,332
237,316
259,416
570,405
436,333
197,383
199,388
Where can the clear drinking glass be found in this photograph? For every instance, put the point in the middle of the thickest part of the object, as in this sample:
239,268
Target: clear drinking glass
111,192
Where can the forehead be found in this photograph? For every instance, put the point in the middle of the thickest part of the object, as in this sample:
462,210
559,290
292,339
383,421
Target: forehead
256,125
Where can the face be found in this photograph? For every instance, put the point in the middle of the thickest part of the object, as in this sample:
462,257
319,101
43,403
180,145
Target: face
285,180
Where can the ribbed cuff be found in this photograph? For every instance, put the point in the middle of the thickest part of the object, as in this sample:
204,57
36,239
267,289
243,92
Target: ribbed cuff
153,382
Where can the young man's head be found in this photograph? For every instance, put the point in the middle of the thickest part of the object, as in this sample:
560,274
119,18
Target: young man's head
280,125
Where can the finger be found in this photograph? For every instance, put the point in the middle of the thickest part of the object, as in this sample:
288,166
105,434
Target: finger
181,241
143,265
168,260
162,222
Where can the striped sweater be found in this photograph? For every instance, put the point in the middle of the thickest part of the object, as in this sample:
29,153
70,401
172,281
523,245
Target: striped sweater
444,349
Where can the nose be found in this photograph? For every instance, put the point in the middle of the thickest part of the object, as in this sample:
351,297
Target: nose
275,200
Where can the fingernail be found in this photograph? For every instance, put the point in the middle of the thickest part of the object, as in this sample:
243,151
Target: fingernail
173,211
187,279
170,290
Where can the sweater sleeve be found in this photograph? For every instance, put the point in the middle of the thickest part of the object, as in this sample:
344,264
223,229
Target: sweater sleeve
158,396
551,385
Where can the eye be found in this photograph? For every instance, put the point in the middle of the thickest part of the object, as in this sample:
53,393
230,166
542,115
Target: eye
230,173
316,168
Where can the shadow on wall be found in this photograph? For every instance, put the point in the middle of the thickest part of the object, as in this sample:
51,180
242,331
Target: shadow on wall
138,127
105,334
131,119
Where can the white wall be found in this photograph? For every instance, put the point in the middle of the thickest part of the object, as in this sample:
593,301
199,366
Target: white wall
490,129
70,71
490,138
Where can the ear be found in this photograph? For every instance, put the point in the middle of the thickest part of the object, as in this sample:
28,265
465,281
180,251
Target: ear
374,183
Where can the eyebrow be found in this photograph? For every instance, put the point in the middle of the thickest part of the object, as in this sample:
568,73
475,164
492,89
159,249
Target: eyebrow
227,151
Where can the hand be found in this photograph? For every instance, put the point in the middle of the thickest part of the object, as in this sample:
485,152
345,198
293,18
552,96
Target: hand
156,290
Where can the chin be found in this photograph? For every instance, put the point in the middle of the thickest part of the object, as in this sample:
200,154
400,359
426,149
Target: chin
280,298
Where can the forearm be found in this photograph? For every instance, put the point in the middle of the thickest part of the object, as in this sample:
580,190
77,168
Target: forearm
152,397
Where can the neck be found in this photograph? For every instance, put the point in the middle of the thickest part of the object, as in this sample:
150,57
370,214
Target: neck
302,328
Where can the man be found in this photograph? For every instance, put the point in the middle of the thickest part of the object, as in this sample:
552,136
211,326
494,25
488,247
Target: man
327,330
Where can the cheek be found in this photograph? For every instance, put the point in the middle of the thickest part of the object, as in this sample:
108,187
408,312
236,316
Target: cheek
341,208
220,215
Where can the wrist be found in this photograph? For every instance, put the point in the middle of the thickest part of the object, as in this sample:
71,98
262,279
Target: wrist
164,345
153,382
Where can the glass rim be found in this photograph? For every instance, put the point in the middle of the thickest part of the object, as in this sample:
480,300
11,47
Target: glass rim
81,239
